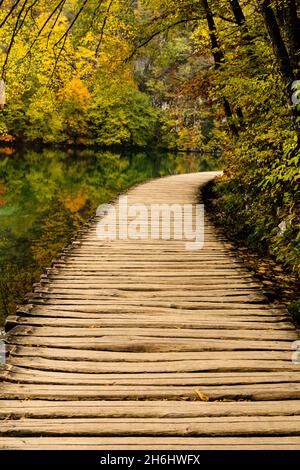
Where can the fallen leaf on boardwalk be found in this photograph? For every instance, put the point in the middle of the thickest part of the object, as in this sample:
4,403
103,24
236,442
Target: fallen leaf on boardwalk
202,396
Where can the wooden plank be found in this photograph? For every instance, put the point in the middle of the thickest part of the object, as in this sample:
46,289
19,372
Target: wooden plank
145,265
92,366
113,443
27,375
195,304
255,392
206,427
74,349
153,300
59,444
77,327
127,282
88,273
203,323
16,409
223,311
93,340
149,286
133,291
172,308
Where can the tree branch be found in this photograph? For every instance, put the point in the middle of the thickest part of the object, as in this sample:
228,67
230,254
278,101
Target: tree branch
12,40
55,21
156,33
60,4
29,9
224,18
65,36
103,27
13,7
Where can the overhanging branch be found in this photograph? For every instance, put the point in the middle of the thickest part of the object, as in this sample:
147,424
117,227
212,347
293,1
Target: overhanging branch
157,33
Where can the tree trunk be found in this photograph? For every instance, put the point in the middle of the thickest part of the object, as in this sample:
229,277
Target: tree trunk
218,59
283,59
229,116
292,27
237,12
246,35
216,50
278,44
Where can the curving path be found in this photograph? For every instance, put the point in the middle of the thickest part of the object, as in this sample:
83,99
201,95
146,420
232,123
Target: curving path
122,343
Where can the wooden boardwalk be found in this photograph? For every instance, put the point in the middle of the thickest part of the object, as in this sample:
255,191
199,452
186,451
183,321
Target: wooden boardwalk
123,341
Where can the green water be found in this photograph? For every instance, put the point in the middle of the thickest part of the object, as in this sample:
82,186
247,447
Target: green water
46,196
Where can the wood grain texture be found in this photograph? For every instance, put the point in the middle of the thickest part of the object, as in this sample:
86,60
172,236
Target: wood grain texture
141,344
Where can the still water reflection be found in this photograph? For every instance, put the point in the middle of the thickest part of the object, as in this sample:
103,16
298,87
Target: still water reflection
46,196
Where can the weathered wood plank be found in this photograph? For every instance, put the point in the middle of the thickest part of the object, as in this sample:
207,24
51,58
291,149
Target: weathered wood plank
36,376
212,426
16,409
257,392
195,304
92,366
65,339
77,327
75,349
223,324
150,443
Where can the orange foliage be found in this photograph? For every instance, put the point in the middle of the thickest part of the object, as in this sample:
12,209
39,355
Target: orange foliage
7,138
74,204
7,150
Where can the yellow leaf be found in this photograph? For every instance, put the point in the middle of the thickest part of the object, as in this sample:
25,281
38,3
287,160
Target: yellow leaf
202,396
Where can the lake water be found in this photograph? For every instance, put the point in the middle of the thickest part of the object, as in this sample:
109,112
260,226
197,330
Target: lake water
46,196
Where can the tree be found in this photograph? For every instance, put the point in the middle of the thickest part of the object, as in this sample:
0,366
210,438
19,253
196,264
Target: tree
285,62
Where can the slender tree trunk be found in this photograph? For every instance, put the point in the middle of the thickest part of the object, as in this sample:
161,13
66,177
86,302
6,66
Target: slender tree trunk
216,49
229,116
292,27
279,13
218,59
278,44
237,12
283,59
241,21
246,37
